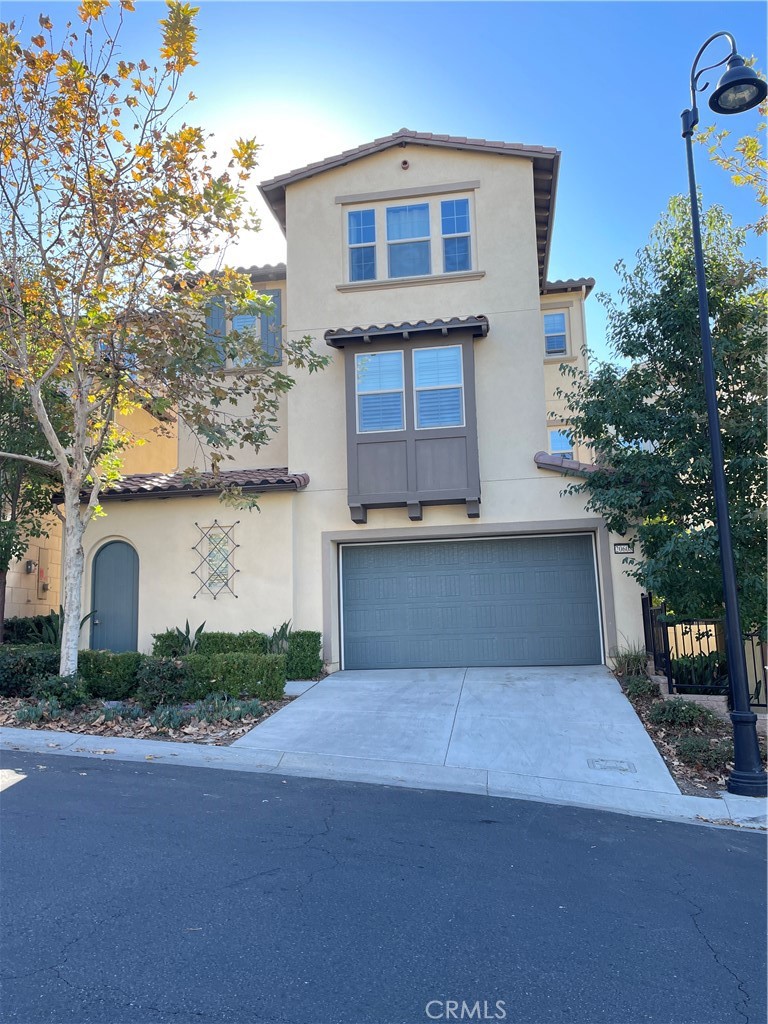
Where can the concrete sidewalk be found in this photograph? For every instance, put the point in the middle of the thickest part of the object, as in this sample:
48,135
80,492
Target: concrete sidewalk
498,732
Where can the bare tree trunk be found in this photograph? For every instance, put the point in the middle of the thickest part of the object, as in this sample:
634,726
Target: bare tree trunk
72,569
3,585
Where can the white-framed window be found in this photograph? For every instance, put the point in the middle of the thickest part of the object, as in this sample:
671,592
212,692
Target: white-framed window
418,238
408,240
457,239
555,334
438,387
560,442
379,385
361,235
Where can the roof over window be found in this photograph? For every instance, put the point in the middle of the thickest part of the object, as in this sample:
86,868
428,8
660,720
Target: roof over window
545,167
340,336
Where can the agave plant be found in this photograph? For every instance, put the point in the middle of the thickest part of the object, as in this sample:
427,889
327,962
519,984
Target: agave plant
278,642
188,640
50,632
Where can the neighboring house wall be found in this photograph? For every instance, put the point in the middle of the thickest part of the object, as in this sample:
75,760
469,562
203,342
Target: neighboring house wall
193,453
38,591
157,450
570,305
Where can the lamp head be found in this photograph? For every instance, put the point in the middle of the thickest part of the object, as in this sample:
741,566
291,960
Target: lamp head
739,89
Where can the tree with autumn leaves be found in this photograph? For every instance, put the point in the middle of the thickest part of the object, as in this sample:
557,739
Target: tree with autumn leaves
110,206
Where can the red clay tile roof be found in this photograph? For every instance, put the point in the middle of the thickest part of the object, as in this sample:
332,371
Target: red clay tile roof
558,463
337,337
573,284
169,485
545,161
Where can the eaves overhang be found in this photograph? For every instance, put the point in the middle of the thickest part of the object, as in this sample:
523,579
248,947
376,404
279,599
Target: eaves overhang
545,165
341,336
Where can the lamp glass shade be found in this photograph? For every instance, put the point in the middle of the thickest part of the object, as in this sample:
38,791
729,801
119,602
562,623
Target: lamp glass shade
739,89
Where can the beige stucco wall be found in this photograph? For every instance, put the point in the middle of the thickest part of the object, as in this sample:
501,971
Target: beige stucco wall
514,386
156,450
289,550
163,533
572,304
25,592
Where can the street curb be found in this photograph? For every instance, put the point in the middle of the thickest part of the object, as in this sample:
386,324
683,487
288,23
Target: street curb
725,810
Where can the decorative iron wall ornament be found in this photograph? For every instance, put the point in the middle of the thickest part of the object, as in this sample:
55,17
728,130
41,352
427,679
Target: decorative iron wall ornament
216,550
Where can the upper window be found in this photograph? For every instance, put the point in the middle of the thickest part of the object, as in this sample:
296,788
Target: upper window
560,443
555,336
438,386
379,391
456,237
268,328
362,245
409,240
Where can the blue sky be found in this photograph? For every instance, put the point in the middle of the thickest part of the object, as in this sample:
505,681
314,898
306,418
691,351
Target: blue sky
604,82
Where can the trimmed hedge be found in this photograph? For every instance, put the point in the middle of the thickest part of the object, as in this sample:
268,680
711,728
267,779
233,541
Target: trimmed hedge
168,644
22,667
303,648
110,676
239,673
303,659
27,629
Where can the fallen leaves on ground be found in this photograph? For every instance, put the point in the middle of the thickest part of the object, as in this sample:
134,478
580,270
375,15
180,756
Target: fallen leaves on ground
219,734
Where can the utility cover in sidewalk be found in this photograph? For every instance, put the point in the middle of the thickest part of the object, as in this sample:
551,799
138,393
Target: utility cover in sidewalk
614,766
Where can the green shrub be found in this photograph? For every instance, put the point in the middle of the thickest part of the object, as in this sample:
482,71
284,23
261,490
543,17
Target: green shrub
700,673
641,688
247,642
162,681
679,715
169,717
27,629
278,642
69,691
45,710
21,667
700,752
303,659
241,673
168,644
630,661
110,676
219,707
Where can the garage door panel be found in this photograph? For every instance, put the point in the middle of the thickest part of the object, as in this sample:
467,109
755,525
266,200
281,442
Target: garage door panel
505,601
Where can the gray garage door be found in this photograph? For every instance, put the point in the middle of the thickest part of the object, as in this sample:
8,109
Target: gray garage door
522,601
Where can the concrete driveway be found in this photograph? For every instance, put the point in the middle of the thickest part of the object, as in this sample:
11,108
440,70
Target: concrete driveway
565,734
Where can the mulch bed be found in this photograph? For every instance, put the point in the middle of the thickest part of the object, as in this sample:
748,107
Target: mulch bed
693,780
220,734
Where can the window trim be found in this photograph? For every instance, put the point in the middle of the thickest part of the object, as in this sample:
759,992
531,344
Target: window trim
560,428
389,391
432,197
566,351
438,387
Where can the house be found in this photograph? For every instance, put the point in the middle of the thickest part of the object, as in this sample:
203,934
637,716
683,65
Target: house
411,505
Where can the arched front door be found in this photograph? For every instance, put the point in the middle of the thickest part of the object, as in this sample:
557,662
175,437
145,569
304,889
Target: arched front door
115,598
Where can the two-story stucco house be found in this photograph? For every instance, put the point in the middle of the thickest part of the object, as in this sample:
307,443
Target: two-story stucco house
416,513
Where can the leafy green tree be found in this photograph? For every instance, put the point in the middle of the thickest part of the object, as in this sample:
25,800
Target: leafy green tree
644,416
109,206
25,489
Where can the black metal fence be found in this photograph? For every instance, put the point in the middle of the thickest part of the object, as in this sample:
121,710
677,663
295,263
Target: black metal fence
691,654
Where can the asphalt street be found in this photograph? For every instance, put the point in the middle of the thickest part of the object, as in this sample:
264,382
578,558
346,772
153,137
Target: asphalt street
139,893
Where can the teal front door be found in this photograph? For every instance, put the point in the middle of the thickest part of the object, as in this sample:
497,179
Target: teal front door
115,598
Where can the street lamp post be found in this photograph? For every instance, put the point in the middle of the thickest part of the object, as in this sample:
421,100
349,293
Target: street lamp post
739,89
